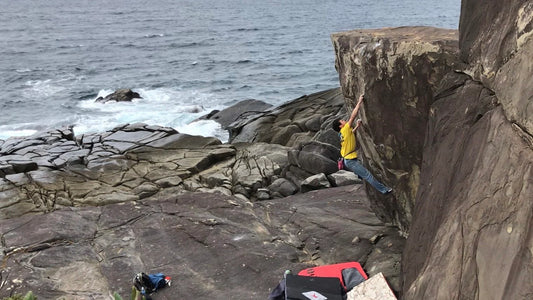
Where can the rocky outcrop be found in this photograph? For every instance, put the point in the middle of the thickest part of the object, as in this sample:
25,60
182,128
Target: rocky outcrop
294,123
303,125
137,161
128,163
464,194
121,95
239,111
62,170
398,70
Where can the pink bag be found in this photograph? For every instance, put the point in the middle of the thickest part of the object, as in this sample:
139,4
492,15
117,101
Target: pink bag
340,163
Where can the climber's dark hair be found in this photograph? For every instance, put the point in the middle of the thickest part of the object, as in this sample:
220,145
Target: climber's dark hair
335,124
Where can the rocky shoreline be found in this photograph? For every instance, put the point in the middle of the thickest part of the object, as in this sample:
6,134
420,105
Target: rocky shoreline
253,197
136,161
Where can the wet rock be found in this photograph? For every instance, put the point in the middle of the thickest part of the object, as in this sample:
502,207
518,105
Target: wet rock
121,95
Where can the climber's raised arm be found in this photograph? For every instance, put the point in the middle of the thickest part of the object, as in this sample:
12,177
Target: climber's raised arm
355,110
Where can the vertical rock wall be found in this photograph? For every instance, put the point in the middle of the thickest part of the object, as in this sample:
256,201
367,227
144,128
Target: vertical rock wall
469,211
495,40
472,226
398,70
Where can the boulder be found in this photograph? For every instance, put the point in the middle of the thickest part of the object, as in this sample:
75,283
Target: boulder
282,187
344,177
292,123
315,182
242,110
121,95
376,287
398,70
316,157
450,130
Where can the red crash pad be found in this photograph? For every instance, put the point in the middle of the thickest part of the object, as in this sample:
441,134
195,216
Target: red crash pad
334,270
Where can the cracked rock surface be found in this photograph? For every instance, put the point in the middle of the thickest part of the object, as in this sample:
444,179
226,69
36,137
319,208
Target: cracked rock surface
80,216
213,246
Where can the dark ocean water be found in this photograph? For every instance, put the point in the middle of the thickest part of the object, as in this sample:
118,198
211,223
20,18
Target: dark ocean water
182,56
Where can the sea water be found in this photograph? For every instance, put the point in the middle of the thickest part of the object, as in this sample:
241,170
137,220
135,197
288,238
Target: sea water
184,57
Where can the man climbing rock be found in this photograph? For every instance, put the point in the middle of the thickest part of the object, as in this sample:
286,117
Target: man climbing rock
348,145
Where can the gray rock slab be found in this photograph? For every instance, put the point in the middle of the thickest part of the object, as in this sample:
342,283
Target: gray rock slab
279,125
240,110
213,246
177,141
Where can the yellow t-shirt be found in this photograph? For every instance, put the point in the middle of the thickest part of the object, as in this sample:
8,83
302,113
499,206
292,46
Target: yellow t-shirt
348,142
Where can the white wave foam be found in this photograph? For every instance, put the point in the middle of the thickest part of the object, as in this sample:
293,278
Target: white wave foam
205,128
42,88
164,107
16,130
154,35
5,134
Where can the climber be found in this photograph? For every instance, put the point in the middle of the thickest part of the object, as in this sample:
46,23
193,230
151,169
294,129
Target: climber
348,153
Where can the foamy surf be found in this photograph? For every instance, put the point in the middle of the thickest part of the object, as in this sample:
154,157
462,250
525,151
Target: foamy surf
6,132
164,107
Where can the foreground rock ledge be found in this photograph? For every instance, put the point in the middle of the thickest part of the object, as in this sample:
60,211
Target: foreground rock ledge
213,246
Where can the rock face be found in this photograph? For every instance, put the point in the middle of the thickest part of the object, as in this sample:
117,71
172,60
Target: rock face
473,219
481,209
464,195
496,43
398,70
